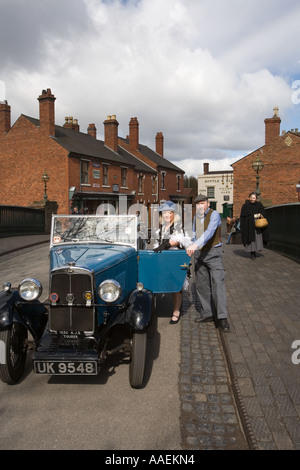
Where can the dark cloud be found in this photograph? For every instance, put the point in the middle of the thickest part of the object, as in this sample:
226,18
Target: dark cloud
28,26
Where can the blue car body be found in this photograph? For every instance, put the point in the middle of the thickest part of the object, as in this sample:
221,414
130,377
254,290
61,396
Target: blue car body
98,281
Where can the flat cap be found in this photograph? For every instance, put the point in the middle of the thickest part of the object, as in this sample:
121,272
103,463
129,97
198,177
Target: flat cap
201,197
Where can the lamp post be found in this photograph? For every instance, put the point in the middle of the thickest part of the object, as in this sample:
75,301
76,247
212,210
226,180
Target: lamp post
257,166
45,179
298,190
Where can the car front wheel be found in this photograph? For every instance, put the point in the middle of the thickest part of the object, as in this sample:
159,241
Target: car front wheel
138,359
13,353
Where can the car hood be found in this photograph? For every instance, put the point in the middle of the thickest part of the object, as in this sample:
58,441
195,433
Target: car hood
93,257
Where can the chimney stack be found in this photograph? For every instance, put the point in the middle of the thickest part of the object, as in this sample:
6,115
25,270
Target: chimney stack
92,131
205,168
159,140
47,115
134,134
4,117
111,132
71,123
272,127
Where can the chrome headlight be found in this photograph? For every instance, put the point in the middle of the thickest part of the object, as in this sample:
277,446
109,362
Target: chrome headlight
109,290
30,289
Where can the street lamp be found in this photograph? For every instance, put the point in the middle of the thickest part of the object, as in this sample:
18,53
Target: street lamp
45,179
298,190
257,167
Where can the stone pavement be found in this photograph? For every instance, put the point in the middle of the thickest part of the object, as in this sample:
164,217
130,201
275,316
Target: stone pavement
239,390
242,389
10,244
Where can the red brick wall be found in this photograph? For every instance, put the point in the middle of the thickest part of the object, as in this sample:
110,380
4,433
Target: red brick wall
25,153
278,178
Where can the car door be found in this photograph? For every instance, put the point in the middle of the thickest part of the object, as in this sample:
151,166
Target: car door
163,272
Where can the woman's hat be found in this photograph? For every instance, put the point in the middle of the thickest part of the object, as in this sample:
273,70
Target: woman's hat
168,206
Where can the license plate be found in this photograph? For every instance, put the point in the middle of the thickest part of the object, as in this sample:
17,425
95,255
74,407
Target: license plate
65,367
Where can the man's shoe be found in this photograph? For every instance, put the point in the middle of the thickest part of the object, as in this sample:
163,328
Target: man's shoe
224,325
204,319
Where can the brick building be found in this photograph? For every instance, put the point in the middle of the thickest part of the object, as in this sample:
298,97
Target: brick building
218,186
82,170
280,156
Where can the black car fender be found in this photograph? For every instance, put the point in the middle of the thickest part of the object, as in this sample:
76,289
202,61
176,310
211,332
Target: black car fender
8,311
139,310
32,315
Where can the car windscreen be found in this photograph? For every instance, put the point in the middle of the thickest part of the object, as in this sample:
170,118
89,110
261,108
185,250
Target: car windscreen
116,229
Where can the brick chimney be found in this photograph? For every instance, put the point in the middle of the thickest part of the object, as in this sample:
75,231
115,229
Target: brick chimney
4,117
92,131
47,114
71,123
134,134
159,144
205,168
272,127
111,132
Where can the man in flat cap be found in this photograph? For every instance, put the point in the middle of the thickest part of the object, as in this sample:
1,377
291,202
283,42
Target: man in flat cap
209,270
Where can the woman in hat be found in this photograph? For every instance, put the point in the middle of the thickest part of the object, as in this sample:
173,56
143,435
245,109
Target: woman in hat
170,235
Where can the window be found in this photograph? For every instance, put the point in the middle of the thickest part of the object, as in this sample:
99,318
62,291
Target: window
124,177
178,182
105,174
84,172
140,183
162,183
211,192
154,185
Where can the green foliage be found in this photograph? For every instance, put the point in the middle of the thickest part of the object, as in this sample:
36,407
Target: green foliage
191,182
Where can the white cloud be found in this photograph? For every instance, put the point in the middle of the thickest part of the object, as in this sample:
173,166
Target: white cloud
206,74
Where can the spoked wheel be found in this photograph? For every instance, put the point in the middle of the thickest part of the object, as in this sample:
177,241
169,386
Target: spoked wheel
13,353
138,359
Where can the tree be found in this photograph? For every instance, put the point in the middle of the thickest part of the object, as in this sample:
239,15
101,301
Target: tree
191,182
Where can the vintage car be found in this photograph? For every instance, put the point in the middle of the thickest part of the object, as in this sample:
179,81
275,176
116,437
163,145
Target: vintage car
101,300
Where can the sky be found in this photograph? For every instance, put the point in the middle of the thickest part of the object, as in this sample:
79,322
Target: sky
205,73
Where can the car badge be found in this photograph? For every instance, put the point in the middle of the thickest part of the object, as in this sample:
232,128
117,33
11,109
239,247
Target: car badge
88,297
70,298
53,297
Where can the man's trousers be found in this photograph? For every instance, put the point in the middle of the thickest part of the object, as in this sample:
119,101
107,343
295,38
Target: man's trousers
210,285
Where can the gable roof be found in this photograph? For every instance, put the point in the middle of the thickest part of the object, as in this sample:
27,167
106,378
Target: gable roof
284,135
84,144
157,159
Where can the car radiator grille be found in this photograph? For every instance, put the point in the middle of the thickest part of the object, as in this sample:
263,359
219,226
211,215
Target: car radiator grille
70,312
